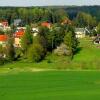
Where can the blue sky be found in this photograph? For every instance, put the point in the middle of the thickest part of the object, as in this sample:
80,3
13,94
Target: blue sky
47,2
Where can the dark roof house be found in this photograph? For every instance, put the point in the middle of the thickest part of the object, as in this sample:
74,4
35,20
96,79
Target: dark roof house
17,22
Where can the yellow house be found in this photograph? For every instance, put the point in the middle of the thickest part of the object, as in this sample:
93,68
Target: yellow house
18,35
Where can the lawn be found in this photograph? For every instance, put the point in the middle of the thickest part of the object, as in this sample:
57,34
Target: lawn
51,85
87,57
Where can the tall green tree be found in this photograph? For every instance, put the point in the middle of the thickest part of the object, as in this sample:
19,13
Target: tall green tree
26,39
10,52
71,42
85,20
1,55
35,52
98,28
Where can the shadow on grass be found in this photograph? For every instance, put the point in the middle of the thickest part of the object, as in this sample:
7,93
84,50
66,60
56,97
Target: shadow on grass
78,50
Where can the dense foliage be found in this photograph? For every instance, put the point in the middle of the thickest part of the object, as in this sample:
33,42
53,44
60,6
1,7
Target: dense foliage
52,14
32,15
26,40
61,34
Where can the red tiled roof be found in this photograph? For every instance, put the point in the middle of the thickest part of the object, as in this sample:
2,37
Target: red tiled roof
46,24
3,37
19,33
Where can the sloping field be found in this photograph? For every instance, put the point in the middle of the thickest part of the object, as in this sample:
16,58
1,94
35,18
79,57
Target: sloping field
50,85
87,57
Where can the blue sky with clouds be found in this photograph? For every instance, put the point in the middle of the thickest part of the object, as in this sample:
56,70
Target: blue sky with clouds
47,2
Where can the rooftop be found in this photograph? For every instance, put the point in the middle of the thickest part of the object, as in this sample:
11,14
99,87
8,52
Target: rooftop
3,37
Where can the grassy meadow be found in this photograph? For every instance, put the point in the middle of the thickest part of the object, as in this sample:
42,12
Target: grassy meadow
51,85
20,81
87,57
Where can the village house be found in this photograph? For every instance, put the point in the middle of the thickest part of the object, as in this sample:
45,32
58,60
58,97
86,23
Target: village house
4,25
46,24
19,28
80,32
20,32
17,37
3,40
35,29
17,22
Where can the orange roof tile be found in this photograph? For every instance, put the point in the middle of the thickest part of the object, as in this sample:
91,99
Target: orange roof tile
46,24
3,37
19,33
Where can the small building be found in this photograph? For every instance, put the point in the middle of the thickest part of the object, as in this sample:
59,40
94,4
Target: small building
17,22
80,32
4,25
46,24
3,40
35,29
19,28
17,37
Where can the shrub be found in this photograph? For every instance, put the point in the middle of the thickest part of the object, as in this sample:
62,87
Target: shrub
1,61
35,53
62,50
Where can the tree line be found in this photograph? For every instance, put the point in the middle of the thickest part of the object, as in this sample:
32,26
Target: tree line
31,15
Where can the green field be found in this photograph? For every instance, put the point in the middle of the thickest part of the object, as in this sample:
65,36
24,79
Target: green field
87,57
22,80
51,85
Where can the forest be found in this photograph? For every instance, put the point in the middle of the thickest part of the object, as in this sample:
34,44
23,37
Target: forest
50,13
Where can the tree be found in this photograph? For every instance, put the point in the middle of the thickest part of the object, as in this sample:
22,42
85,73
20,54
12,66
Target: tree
1,55
54,37
42,39
26,39
10,52
35,52
85,20
98,28
71,42
61,15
